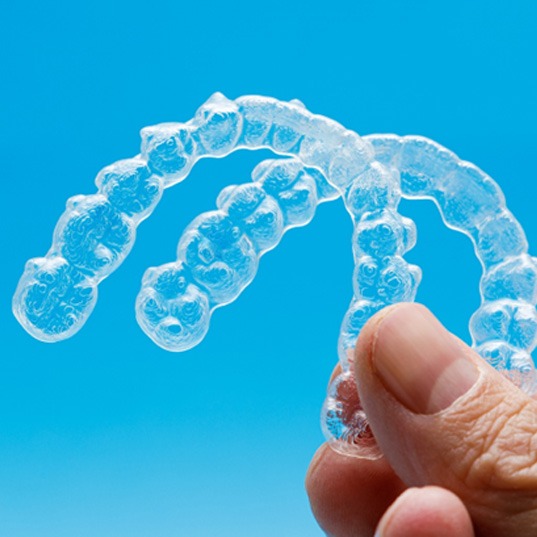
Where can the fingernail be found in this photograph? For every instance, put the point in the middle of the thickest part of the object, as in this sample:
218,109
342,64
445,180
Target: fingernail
419,361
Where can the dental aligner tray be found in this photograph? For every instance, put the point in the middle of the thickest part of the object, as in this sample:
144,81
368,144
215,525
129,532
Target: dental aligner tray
218,253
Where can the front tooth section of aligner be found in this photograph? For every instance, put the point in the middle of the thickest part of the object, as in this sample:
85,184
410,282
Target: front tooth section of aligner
218,125
351,158
515,279
257,116
318,141
268,122
376,188
256,213
387,280
506,320
93,235
130,186
318,152
294,190
467,197
174,312
387,148
383,233
290,123
53,300
220,256
289,128
423,164
170,150
499,237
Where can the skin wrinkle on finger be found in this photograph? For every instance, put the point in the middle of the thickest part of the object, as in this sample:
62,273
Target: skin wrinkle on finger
509,446
504,460
493,488
486,459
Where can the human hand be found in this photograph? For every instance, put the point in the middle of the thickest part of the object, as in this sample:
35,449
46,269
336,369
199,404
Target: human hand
459,441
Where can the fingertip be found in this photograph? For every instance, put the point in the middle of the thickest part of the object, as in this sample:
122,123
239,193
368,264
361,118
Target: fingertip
426,512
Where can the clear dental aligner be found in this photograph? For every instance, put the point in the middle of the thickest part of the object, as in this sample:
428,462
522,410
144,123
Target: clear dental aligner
218,253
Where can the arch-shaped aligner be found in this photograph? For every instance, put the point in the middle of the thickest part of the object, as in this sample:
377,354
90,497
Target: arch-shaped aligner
56,294
96,232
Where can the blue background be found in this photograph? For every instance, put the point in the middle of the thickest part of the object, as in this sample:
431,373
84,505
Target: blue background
106,434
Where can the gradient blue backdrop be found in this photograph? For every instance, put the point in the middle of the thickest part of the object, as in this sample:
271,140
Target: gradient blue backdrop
107,435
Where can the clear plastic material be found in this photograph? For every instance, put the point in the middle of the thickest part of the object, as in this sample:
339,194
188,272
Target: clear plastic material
218,254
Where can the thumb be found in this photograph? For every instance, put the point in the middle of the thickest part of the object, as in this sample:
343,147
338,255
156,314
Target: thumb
442,416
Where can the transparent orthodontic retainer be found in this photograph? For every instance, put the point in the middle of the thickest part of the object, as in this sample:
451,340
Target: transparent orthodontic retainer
218,253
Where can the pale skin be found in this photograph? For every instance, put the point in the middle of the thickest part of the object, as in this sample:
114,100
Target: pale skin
459,441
